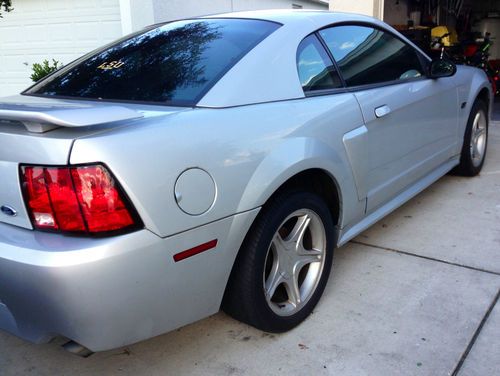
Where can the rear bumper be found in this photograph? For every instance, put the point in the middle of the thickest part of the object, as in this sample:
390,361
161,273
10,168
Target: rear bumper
107,293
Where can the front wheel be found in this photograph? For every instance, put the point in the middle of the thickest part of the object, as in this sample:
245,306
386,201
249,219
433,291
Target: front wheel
475,141
283,266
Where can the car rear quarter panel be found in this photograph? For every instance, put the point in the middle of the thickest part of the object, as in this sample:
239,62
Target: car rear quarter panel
249,151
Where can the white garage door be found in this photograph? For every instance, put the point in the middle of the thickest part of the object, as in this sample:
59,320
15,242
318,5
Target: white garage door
51,29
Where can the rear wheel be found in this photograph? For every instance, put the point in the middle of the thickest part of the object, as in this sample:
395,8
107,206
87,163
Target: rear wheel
475,141
283,266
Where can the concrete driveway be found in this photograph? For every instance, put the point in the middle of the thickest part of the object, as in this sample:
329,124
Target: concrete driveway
417,294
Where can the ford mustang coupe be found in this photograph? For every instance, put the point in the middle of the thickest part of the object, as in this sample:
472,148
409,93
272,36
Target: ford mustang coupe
217,162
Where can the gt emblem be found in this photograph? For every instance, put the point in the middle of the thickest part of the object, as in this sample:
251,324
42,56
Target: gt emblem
8,210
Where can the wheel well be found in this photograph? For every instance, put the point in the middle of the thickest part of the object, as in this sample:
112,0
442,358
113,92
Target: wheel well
484,95
319,182
313,180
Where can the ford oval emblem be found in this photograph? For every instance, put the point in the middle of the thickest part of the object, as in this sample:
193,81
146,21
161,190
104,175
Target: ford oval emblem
8,210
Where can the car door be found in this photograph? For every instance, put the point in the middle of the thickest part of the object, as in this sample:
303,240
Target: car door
411,120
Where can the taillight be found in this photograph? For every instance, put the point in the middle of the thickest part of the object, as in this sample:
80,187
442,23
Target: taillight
81,199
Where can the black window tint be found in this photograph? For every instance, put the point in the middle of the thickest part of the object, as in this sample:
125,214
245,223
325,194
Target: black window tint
367,56
175,63
315,68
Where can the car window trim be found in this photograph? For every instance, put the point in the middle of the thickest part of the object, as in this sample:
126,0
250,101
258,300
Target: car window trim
328,52
386,83
381,28
378,84
348,89
318,93
328,55
187,104
354,89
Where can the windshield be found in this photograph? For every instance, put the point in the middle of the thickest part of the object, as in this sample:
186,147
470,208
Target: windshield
174,64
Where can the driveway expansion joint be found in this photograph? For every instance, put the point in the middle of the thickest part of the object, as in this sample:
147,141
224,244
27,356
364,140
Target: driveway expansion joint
476,335
425,257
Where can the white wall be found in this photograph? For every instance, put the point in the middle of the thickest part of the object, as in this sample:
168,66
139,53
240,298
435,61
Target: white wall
276,4
374,8
135,14
393,12
175,9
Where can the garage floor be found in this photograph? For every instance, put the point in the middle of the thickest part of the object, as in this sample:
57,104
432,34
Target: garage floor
417,294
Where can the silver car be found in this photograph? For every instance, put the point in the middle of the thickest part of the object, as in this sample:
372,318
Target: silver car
217,162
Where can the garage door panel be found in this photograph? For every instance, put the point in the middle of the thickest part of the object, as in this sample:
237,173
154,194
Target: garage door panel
59,32
35,33
52,29
11,65
10,37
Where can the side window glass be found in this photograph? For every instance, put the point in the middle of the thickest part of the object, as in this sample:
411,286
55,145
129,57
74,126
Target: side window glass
315,68
366,55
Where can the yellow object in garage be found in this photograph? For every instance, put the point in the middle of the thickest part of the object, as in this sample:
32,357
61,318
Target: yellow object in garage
447,41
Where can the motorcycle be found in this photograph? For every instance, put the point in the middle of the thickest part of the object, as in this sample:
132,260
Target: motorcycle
475,54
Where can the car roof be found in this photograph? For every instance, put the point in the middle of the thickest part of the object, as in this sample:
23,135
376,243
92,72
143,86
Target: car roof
299,17
268,73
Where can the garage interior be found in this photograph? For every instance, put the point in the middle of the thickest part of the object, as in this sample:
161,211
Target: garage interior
464,31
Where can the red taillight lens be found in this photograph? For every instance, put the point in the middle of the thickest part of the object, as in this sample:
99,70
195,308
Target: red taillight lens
38,198
102,206
76,199
63,199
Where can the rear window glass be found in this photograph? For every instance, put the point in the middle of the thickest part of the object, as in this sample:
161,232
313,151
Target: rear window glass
175,64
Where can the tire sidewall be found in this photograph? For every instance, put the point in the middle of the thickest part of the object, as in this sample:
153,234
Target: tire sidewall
269,223
466,158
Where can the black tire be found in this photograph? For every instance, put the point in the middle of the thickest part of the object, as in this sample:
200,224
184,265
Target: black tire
245,297
470,166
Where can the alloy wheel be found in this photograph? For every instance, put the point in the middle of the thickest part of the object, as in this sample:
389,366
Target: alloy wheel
294,262
478,138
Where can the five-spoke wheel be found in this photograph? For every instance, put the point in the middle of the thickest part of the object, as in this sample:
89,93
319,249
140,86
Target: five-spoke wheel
284,263
475,141
478,138
294,262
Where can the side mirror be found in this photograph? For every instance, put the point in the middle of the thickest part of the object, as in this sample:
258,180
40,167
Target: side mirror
441,68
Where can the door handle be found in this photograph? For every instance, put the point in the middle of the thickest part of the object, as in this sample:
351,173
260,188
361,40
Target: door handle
382,111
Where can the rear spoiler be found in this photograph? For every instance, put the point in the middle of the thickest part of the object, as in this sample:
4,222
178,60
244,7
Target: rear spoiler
40,119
